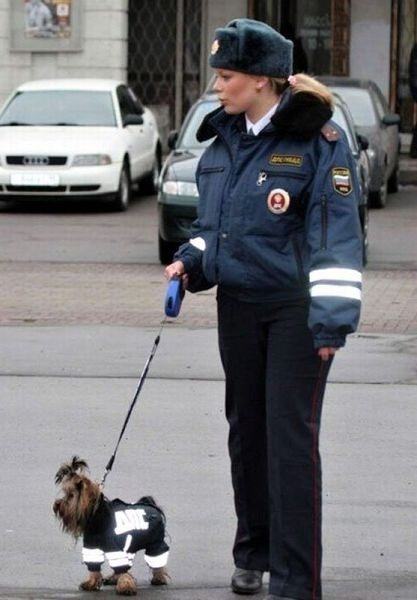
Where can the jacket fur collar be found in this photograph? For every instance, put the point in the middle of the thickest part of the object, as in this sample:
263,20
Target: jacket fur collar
299,116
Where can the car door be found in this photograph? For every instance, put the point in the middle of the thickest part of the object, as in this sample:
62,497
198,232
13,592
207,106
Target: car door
135,136
149,130
389,133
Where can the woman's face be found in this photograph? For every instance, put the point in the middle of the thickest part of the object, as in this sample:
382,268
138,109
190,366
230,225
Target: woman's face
236,91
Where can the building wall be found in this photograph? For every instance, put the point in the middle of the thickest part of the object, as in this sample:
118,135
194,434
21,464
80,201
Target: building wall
104,51
370,41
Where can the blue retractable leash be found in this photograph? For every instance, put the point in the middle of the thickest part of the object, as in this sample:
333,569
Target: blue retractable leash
173,299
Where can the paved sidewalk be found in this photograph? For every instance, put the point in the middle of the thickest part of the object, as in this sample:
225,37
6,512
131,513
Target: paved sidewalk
90,294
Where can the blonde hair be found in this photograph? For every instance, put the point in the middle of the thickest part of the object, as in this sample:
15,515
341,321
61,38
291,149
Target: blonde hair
303,83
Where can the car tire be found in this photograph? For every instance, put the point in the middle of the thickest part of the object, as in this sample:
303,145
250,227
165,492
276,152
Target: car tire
392,185
149,185
379,199
166,251
122,199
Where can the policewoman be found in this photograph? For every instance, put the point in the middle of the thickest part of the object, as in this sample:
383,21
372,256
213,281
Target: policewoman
278,232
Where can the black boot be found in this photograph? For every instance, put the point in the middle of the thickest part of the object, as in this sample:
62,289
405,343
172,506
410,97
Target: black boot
246,581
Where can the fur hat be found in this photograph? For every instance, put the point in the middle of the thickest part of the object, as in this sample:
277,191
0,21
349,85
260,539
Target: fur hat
251,47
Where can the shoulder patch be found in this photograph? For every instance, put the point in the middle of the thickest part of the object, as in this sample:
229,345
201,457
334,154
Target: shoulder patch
342,180
330,133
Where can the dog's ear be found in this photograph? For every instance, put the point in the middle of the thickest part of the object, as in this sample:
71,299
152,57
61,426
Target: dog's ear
70,469
79,464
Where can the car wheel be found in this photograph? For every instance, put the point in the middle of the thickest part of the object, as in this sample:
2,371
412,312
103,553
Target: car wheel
392,186
166,251
149,185
379,199
122,198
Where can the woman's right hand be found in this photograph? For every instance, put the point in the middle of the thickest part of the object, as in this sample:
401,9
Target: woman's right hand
176,269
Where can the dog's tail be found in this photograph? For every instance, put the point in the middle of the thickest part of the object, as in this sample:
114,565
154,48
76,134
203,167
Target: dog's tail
150,501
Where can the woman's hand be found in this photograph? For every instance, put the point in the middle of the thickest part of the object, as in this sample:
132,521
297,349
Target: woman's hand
176,269
326,352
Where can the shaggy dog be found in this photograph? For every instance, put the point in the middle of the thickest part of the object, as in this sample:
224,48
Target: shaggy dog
111,529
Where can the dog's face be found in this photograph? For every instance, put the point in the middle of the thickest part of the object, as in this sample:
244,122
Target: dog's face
80,497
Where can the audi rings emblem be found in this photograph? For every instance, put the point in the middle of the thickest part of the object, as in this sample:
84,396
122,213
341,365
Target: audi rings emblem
35,161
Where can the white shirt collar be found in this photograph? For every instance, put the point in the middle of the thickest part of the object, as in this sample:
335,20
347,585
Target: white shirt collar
263,121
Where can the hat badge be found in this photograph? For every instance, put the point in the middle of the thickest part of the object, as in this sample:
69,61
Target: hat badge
215,46
278,201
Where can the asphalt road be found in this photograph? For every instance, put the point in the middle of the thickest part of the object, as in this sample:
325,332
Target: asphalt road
65,387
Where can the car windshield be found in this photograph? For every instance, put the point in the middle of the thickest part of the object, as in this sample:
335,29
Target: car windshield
359,103
60,107
340,118
187,137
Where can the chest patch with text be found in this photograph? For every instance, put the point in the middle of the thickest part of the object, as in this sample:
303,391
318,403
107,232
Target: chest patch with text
342,180
291,160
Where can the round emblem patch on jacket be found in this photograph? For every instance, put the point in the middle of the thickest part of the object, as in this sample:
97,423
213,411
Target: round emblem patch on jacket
278,201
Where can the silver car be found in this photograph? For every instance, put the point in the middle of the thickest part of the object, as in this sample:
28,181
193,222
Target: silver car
374,120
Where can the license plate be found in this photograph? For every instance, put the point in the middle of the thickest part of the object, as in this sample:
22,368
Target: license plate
34,179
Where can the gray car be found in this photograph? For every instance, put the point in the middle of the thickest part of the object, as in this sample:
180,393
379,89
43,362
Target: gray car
373,119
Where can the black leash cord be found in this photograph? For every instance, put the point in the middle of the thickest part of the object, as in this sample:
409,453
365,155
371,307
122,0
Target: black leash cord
132,406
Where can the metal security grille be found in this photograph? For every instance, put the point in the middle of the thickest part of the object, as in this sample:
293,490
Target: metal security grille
407,37
191,53
164,56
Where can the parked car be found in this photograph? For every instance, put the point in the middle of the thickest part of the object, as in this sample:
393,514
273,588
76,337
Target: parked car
77,138
373,118
178,194
359,145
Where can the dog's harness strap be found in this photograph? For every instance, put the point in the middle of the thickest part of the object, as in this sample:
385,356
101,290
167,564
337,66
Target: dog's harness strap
136,396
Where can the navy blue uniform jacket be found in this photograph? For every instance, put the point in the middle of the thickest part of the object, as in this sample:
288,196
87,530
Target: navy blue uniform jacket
278,215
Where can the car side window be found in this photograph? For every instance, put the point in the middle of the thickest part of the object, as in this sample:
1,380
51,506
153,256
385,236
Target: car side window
380,108
139,110
127,106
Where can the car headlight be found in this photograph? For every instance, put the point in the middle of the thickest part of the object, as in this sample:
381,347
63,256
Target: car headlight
180,188
91,160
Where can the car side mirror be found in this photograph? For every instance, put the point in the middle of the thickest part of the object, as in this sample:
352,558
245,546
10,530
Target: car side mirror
362,141
172,139
132,120
391,119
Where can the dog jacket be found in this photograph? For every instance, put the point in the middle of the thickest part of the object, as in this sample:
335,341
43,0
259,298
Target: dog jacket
118,530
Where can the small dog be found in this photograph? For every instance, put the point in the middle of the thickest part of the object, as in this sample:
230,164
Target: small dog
111,529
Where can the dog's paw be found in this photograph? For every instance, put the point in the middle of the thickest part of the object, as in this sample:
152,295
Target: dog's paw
126,585
92,584
160,576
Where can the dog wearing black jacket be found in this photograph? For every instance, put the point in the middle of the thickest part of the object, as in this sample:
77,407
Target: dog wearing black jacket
111,529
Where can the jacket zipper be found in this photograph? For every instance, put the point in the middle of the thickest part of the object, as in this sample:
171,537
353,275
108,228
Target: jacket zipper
298,259
324,222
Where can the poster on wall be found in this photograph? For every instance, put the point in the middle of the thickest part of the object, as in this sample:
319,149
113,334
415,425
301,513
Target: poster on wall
47,18
46,25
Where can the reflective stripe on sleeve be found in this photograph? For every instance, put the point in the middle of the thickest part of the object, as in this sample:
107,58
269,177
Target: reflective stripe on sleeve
336,274
336,291
155,562
198,243
92,555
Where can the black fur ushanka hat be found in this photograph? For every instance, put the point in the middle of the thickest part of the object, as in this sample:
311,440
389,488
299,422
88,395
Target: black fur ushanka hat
251,47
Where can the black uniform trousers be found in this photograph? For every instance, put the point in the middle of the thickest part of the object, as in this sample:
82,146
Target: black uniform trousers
275,383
